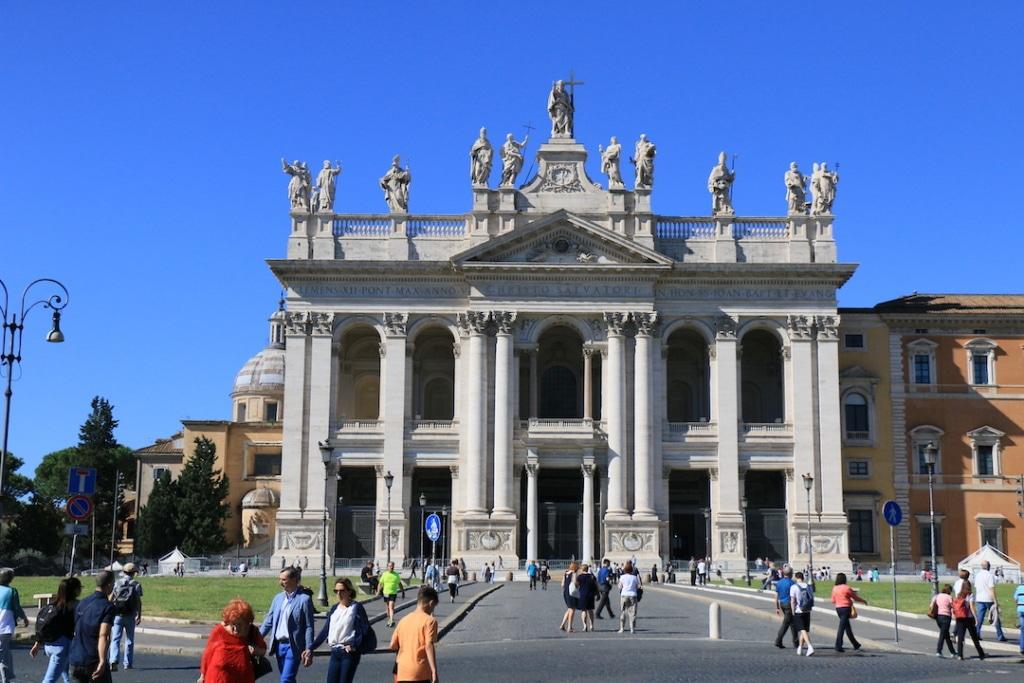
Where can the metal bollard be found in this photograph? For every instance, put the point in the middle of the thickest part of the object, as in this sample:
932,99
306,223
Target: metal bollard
715,621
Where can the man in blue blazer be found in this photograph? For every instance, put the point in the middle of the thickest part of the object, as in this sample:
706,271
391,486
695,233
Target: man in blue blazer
288,626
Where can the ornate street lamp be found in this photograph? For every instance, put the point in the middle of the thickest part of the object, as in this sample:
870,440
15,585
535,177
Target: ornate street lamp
10,351
389,480
326,454
746,544
444,539
808,485
707,534
931,454
423,506
337,521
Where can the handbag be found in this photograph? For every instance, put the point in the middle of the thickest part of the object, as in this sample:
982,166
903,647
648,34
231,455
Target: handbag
574,588
853,611
639,593
261,666
933,611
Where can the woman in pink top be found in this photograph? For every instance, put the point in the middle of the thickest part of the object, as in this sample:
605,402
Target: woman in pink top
843,598
942,608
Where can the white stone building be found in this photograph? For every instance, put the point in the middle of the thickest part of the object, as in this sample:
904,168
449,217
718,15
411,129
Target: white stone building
567,374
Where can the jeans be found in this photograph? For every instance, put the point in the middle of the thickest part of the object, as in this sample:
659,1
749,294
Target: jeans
693,577
844,627
125,624
288,661
964,626
983,610
343,665
627,610
6,664
943,621
58,652
533,583
604,604
787,625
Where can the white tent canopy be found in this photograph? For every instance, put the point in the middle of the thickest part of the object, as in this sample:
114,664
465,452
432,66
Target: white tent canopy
171,560
997,559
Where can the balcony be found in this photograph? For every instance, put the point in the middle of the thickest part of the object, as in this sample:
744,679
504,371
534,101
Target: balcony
357,430
569,428
431,430
766,431
689,431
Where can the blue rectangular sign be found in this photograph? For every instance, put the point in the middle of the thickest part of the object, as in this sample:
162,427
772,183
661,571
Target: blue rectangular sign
82,481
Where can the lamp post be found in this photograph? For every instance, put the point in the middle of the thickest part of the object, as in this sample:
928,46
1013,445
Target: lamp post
931,454
808,485
746,544
389,480
326,454
337,521
10,348
423,506
444,539
707,533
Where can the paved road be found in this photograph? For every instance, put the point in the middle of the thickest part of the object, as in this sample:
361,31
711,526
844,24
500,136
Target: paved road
512,635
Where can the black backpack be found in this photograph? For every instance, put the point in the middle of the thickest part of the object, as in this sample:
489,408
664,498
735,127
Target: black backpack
368,643
125,597
47,628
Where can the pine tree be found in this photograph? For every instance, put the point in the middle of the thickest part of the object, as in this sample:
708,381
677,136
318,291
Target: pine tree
156,531
201,508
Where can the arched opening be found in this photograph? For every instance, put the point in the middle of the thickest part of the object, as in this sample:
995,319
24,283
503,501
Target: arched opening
355,513
434,375
761,370
689,378
359,375
855,416
560,370
766,514
689,502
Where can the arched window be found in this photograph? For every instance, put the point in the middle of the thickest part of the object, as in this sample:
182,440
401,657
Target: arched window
558,393
438,399
855,414
762,372
680,402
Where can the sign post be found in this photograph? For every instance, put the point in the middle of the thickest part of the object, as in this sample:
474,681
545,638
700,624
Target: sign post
893,516
433,528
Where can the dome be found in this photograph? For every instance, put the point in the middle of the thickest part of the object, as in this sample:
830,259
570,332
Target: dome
260,498
261,374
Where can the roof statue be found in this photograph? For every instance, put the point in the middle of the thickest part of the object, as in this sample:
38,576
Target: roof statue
610,163
561,110
720,186
823,189
326,181
299,185
643,160
395,184
796,190
511,160
481,155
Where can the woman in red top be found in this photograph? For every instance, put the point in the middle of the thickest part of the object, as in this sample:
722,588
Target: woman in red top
229,649
843,598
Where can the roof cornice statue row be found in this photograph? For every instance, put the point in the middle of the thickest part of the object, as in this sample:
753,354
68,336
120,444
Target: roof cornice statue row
561,170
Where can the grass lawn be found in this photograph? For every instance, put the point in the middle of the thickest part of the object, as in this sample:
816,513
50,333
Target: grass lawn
190,597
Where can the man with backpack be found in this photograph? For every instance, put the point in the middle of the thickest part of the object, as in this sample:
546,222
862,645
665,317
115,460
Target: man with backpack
127,602
801,600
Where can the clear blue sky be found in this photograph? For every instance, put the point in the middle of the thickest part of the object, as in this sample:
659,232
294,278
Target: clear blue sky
142,147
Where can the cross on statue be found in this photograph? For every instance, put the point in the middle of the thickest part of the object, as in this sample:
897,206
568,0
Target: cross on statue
570,85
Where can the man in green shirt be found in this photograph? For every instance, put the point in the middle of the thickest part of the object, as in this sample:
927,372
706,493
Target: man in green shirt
390,584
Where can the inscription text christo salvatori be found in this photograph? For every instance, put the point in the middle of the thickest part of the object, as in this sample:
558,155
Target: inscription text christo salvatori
564,289
381,291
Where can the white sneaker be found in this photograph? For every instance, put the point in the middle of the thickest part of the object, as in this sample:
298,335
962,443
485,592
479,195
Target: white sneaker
620,630
799,650
810,650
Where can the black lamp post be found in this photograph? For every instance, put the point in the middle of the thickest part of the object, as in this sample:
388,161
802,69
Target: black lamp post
326,454
931,454
389,480
423,507
444,539
746,544
808,485
337,522
10,348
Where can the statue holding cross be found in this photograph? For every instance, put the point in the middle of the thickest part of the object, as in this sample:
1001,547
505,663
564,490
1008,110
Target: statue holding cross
561,108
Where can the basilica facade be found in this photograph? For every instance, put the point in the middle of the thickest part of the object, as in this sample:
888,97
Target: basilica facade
561,373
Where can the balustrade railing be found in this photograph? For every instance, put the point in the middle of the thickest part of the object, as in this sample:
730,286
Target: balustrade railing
362,226
684,228
760,228
688,427
769,428
433,425
436,226
357,425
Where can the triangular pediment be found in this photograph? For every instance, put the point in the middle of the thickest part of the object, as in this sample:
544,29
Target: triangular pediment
561,238
856,372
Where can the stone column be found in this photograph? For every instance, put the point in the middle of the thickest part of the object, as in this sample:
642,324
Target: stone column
616,412
829,424
319,415
727,519
533,382
503,413
531,506
588,383
588,509
643,433
293,453
475,324
800,397
393,388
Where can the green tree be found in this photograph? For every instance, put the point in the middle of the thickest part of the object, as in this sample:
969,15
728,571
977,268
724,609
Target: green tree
201,508
31,522
156,531
97,447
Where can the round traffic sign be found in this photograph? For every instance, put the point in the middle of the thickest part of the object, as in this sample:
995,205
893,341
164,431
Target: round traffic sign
433,527
78,507
892,512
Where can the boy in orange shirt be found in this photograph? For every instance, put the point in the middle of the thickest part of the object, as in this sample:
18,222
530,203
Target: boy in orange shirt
414,639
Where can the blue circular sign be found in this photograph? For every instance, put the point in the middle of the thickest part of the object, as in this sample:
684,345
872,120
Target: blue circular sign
892,512
78,507
433,527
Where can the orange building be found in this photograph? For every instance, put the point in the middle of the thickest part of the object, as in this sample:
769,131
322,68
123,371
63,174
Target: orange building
957,369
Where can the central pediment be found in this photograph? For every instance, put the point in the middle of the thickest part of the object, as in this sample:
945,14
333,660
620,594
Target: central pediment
561,239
